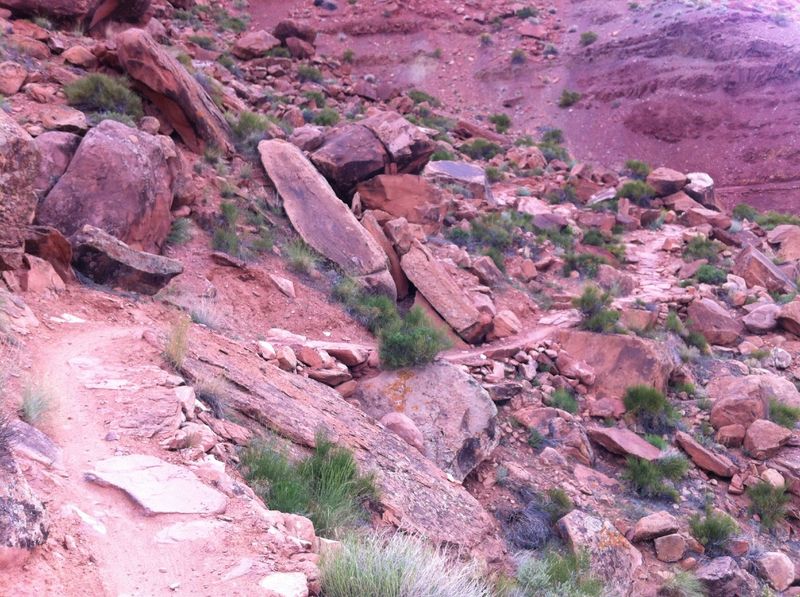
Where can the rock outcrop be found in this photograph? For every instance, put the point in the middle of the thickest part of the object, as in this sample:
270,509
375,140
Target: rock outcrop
24,523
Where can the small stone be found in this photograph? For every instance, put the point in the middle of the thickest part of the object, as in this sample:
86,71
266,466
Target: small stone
670,548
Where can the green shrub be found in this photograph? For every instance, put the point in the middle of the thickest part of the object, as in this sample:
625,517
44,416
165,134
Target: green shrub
326,487
348,56
637,169
655,478
535,439
480,149
637,191
745,212
396,566
279,52
594,237
674,324
497,257
650,407
501,122
309,73
565,400
568,98
326,117
248,128
102,94
567,575
771,219
204,41
441,155
410,341
592,304
768,502
709,274
557,504
179,233
302,258
527,12
587,264
657,441
373,311
713,530
588,38
700,247
518,56
682,583
783,414
494,174
420,97
698,340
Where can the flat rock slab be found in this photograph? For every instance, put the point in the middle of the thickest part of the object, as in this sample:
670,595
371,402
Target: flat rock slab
157,486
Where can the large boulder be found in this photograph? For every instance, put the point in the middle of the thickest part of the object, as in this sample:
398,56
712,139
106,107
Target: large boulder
463,174
722,577
762,319
623,442
701,188
710,461
458,433
742,400
51,8
19,165
405,196
349,155
254,44
321,219
24,524
710,319
789,317
407,146
787,236
777,569
654,525
758,270
120,180
613,558
619,361
177,94
57,149
128,11
666,181
764,439
443,293
108,261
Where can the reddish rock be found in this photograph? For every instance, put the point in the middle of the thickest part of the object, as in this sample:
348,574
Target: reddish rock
290,28
505,324
744,399
764,438
56,149
704,458
407,146
372,226
486,270
680,202
180,98
470,176
722,577
654,525
403,426
789,317
53,8
670,548
762,319
349,155
80,56
777,569
731,436
713,321
405,196
666,181
299,48
254,44
12,77
623,442
758,270
787,236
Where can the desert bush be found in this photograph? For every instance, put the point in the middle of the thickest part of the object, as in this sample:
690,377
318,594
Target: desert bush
713,529
637,191
205,312
697,340
529,527
518,56
587,264
326,487
177,342
179,232
301,258
326,117
745,212
709,274
593,303
420,97
682,584
568,98
655,478
783,414
588,38
101,94
768,502
771,219
535,439
656,440
397,566
557,575
565,400
248,128
557,504
442,154
700,247
204,41
410,341
674,324
225,237
38,400
501,122
651,408
637,169
494,174
309,73
480,149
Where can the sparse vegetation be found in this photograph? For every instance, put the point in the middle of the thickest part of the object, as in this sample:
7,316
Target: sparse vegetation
682,583
656,478
637,191
410,341
651,408
327,487
587,264
700,247
480,149
535,439
348,56
657,441
565,400
501,122
204,41
557,575
179,232
309,73
637,169
768,502
326,117
713,529
100,94
745,212
771,219
177,342
593,303
225,237
709,274
557,504
783,414
518,56
420,97
248,128
568,98
588,38
38,399
300,257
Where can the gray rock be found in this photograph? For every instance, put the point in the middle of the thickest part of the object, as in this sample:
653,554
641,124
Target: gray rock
470,176
722,577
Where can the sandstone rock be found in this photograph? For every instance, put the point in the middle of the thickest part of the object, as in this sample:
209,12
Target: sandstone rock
623,442
666,181
713,321
722,577
777,569
56,150
349,155
781,358
405,196
289,28
458,434
55,117
120,180
487,271
38,276
701,188
109,261
372,226
670,548
703,457
53,8
192,435
12,77
284,584
300,49
758,270
764,438
731,436
613,558
505,324
744,399
403,426
789,317
129,11
321,219
19,165
24,523
285,286
773,477
307,137
157,486
180,98
470,176
80,56
762,319
254,44
654,525
287,360
407,146
575,369
442,292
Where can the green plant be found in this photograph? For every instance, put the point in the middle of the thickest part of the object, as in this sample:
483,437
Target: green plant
768,502
279,52
700,247
783,414
248,128
442,154
557,504
587,264
38,400
674,324
480,149
179,232
637,169
497,257
593,303
709,274
410,341
697,340
650,407
326,117
225,237
713,529
771,219
682,583
526,12
656,440
301,257
565,400
655,478
309,73
745,212
535,439
568,98
556,575
637,191
374,311
486,39
588,38
396,566
420,97
494,174
501,122
204,41
101,94
518,56
177,344
348,56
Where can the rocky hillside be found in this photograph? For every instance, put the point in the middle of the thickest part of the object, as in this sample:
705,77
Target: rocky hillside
270,323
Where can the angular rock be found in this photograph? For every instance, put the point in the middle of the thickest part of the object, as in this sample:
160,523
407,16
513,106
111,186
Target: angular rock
762,319
53,8
670,548
758,270
623,442
464,174
370,223
731,436
349,155
120,180
701,188
57,150
764,438
284,584
777,569
127,11
307,137
713,321
443,293
505,324
405,196
722,577
12,77
704,458
289,28
408,147
157,486
666,181
109,261
321,219
789,317
788,237
299,49
180,98
55,117
742,400
19,165
24,523
458,434
654,525
487,271
254,44
403,426
613,558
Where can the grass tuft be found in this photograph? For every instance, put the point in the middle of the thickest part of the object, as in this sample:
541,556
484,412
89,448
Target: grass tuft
783,414
557,575
301,257
99,93
655,478
179,232
410,341
564,400
592,304
682,584
178,342
38,400
651,408
713,530
768,502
